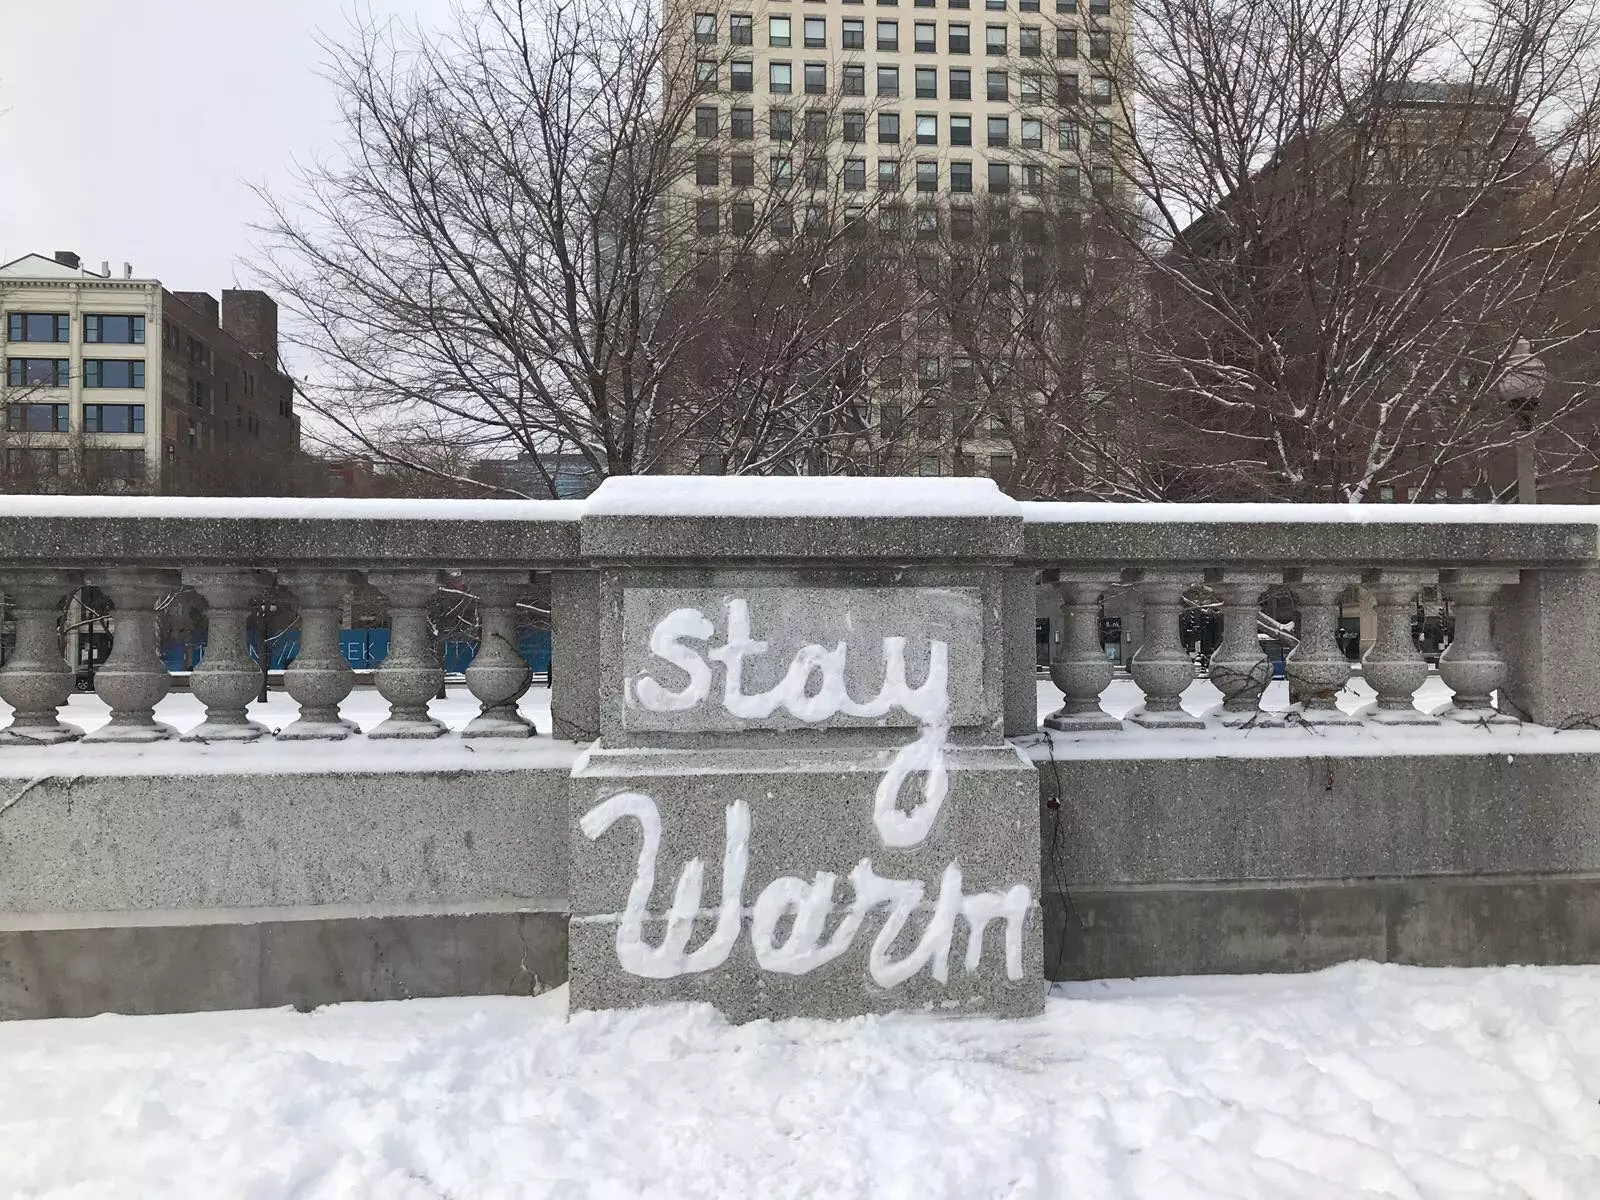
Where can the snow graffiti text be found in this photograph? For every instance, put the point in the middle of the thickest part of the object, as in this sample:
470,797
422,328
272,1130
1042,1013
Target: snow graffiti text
813,689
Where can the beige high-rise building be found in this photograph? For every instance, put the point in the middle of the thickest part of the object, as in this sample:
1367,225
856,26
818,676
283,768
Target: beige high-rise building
908,115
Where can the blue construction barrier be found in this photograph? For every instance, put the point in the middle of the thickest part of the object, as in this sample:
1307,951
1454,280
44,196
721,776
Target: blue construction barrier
364,649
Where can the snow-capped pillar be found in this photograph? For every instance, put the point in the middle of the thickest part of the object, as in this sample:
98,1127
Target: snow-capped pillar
227,677
1472,665
1391,664
1162,668
1239,668
1317,668
575,658
410,674
1080,667
499,674
320,675
1551,635
133,679
37,681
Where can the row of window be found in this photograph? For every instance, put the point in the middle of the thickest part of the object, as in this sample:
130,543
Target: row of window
741,26
34,462
57,372
1000,465
1033,85
817,129
924,36
927,175
108,328
55,418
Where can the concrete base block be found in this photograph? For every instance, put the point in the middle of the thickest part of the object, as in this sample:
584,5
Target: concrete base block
792,816
1399,716
1065,722
1165,719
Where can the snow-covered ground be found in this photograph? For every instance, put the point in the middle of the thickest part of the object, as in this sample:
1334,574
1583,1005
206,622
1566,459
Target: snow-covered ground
1358,1081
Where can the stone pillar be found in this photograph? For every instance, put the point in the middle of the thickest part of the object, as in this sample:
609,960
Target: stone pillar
1161,667
410,675
1471,664
1317,668
498,675
134,679
320,676
227,677
37,681
1551,630
1240,670
1019,613
1391,664
575,666
1080,667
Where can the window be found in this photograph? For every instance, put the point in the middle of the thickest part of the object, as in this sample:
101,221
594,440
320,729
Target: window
1066,43
999,131
1071,182
890,218
995,5
961,176
1100,8
743,213
888,35
1100,89
961,130
101,464
855,127
35,463
742,170
780,78
705,170
781,123
888,81
1028,5
959,37
705,126
44,327
741,75
928,227
1067,136
994,39
199,353
855,80
1100,135
927,129
816,218
889,128
39,372
927,175
783,220
781,170
1032,133
777,31
997,85
1029,43
1100,180
815,172
705,29
705,216
113,418
961,223
855,35
999,177
1033,89
925,37
816,129
1032,185
960,83
1386,494
816,78
855,174
930,462
1000,467
37,418
888,174
927,83
705,71
1066,89
199,394
741,30
1100,45
889,417
742,122
816,33
1066,6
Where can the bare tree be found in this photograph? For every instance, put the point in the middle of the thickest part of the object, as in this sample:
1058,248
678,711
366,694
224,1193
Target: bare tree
1346,216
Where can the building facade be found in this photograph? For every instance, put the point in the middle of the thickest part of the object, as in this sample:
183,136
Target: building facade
117,384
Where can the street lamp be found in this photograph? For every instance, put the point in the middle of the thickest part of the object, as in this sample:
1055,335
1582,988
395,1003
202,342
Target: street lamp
1521,387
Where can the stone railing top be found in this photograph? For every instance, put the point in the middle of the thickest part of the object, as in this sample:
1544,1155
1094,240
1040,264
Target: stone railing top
173,531
790,517
1299,534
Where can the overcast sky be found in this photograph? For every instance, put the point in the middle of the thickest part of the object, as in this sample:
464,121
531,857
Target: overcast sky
132,131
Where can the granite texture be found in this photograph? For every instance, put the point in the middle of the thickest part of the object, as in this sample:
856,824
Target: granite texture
1018,615
1548,628
827,539
577,662
108,843
199,967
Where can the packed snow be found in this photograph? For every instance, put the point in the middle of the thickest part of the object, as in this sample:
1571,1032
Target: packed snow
1362,1080
297,508
797,496
1061,512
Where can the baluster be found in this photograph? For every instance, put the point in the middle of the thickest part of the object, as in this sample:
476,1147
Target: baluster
1317,669
320,675
1391,664
1472,665
1240,670
38,680
1080,667
1162,667
410,674
227,677
499,674
133,679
